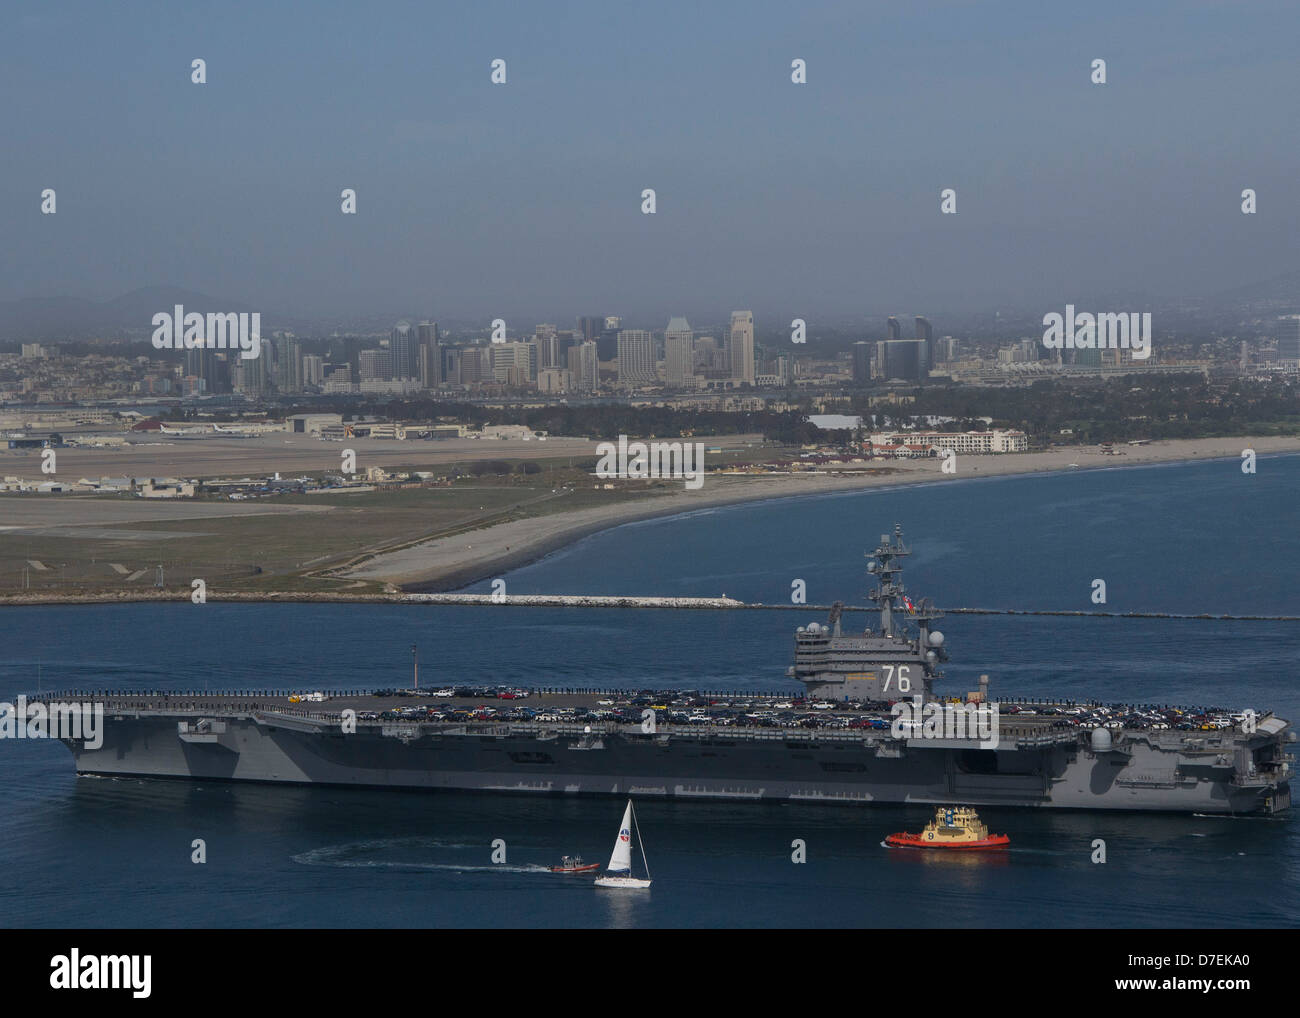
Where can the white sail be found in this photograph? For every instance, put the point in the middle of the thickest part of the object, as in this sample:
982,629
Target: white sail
621,859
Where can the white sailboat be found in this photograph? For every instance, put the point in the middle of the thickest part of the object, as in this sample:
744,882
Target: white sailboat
619,871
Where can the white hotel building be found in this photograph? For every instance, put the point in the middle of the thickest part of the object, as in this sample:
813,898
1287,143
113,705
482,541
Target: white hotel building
972,442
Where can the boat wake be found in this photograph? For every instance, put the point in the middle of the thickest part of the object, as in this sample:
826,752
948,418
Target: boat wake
377,854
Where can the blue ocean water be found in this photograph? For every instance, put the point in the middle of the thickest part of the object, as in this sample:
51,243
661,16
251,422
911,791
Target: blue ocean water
1181,538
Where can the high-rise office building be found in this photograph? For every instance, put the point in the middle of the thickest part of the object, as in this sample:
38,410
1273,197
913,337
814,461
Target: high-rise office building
429,355
926,335
514,363
475,364
375,365
565,340
1288,339
585,366
288,363
451,366
198,365
706,352
636,357
679,354
861,363
742,346
590,327
901,359
547,340
895,330
401,346
313,370
252,377
607,341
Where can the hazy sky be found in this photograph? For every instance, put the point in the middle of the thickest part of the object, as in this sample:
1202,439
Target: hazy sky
524,198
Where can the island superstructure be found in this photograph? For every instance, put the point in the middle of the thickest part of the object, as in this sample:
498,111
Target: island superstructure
884,665
835,741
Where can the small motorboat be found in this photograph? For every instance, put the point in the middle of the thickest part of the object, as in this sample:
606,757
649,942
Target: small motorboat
574,864
953,827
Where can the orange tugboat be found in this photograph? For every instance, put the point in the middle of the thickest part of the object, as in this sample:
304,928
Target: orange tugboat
574,864
953,827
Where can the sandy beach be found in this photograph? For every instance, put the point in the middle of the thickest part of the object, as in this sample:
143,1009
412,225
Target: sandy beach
452,562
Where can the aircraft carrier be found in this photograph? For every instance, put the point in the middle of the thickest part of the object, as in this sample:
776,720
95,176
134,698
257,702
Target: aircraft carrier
838,740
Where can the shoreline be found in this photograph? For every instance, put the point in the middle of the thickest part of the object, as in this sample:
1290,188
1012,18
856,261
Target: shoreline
451,563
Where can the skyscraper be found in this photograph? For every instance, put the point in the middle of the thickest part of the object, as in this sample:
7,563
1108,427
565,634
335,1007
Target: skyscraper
679,354
861,363
742,346
252,377
901,359
1288,339
201,363
313,370
636,357
514,363
375,365
288,363
402,363
926,334
585,366
429,356
895,330
607,341
475,364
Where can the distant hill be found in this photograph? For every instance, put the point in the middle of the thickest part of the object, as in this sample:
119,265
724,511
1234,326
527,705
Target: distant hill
1284,289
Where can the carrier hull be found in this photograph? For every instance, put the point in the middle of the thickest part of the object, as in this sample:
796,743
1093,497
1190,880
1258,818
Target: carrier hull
1145,771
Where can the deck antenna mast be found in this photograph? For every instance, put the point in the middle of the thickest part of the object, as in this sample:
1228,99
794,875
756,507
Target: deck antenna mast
884,566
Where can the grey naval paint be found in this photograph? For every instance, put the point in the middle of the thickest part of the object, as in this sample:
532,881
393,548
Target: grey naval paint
1187,772
236,738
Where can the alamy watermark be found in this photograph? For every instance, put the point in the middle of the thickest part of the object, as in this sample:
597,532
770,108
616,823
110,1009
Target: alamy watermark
652,459
180,331
918,720
1085,331
55,720
75,971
